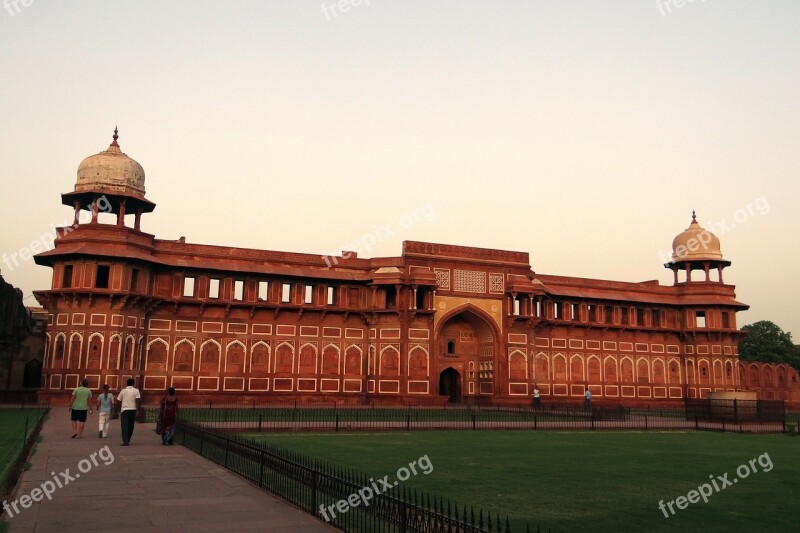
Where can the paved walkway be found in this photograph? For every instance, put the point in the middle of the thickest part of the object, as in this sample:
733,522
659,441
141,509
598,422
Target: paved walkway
147,487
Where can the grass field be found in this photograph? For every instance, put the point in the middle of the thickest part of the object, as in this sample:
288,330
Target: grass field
585,481
13,423
13,435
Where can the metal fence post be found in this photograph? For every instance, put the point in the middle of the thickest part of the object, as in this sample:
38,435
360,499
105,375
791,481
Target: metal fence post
261,470
314,491
227,444
592,419
645,421
202,440
260,417
403,517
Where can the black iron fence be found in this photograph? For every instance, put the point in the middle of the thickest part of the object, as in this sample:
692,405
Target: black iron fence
19,427
19,399
315,486
736,411
353,418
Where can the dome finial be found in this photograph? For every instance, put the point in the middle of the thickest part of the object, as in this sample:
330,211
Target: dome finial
111,171
694,217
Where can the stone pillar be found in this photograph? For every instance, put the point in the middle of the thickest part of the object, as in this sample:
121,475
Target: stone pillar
138,220
75,221
121,214
95,211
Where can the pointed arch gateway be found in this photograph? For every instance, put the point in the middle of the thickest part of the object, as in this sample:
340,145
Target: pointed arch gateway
467,355
450,385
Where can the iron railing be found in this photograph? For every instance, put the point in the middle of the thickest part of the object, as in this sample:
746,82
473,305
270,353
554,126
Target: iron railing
301,417
736,411
313,485
17,438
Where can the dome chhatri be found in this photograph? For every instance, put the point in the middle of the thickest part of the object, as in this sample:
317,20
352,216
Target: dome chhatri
696,243
111,171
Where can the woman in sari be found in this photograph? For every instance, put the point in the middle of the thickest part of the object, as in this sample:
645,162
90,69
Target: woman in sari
167,417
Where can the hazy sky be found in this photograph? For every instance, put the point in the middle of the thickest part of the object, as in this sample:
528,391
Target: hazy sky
581,132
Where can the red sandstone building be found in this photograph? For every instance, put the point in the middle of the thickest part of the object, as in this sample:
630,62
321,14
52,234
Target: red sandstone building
437,322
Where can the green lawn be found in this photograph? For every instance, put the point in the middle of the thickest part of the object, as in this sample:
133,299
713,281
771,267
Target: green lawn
584,481
12,436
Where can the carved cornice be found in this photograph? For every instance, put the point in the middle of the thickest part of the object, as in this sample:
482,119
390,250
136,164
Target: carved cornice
450,251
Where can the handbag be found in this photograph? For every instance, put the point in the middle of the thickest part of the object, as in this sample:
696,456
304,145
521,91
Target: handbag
114,410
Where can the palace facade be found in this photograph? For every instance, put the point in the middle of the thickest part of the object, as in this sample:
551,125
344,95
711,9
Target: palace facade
437,323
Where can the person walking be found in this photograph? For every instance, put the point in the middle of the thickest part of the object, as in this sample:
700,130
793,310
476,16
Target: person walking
105,405
168,416
587,399
78,408
130,398
537,398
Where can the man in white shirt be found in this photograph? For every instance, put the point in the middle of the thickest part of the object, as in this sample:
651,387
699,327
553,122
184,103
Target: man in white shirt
587,399
130,398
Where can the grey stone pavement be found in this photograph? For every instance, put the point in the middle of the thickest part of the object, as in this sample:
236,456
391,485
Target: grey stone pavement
147,487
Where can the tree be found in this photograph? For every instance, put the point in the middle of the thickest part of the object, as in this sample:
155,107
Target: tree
767,342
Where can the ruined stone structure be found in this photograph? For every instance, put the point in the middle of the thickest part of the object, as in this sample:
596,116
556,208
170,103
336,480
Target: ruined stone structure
435,323
21,341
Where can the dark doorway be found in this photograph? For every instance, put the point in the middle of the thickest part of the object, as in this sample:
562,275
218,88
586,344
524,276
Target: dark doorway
32,375
450,385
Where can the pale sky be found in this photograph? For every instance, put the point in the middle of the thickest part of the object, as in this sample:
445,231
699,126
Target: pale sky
582,132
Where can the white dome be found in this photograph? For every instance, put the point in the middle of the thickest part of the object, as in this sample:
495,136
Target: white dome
111,171
696,243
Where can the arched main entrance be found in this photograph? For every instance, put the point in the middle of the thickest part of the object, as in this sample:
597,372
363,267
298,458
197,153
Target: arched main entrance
450,385
466,343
